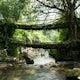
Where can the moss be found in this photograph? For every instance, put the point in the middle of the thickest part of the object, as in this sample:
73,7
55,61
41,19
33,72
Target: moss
13,50
54,53
74,73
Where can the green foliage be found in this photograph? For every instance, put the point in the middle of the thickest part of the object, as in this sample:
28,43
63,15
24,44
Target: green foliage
30,36
11,9
19,35
64,34
54,53
12,50
38,36
52,35
28,14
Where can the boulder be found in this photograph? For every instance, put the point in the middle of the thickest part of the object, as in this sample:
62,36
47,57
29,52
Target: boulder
28,60
72,78
52,64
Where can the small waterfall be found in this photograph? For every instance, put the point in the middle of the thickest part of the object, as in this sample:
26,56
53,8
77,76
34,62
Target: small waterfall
40,56
43,59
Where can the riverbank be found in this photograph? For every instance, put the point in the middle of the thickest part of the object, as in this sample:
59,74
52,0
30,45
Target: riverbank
32,69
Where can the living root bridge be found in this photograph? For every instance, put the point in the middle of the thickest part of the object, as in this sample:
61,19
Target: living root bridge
42,27
61,45
35,27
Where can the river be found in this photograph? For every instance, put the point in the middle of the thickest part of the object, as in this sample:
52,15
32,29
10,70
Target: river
40,70
32,72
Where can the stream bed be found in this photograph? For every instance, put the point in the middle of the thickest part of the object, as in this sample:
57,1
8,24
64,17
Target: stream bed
32,73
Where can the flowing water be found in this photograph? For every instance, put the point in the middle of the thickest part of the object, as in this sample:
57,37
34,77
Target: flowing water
37,71
43,59
33,73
